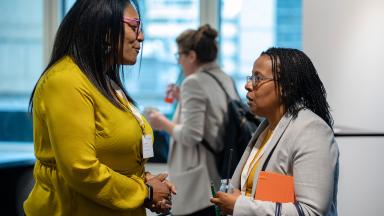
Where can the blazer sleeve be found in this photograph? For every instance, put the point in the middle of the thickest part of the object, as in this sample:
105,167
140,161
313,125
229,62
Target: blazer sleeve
190,130
314,156
69,116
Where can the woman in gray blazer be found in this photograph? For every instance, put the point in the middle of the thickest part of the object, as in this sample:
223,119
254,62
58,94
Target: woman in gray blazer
296,139
200,114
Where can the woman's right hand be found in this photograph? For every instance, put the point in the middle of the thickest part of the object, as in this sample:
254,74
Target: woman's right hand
161,196
160,190
174,91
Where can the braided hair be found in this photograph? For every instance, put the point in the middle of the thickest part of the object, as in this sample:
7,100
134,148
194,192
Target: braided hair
299,82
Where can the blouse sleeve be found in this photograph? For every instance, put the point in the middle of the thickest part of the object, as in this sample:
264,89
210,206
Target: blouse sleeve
69,116
193,107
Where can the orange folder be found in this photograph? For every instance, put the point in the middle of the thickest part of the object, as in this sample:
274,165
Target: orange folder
275,187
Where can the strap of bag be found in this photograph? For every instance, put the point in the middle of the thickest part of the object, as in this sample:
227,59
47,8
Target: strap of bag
205,142
297,205
278,209
221,85
278,205
208,147
299,209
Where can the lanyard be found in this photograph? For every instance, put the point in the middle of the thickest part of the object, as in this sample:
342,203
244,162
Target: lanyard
132,109
146,139
251,161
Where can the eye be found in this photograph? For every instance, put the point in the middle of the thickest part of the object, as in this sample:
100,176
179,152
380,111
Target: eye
134,28
133,24
258,77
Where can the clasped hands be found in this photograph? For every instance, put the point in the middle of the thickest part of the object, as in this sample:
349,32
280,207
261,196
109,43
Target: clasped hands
162,192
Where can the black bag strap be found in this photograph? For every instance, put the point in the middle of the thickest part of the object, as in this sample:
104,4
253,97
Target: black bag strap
208,147
299,209
205,142
297,205
219,83
278,205
278,209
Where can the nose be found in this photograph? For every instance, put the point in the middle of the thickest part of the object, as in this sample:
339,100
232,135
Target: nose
140,37
248,86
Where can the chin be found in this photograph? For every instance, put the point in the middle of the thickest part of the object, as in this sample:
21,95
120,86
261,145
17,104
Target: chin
129,61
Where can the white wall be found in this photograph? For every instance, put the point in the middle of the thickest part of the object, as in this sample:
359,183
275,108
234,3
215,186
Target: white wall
361,176
345,40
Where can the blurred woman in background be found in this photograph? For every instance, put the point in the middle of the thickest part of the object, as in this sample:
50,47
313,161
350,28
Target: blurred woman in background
199,115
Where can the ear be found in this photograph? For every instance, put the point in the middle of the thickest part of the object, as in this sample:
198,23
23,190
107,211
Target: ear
192,57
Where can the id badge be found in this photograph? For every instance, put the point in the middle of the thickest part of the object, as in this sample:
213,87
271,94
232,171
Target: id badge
146,141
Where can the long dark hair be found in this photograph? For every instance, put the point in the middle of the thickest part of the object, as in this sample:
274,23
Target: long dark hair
90,34
300,84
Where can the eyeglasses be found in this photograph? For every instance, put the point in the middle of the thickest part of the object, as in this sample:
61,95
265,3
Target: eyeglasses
256,79
134,23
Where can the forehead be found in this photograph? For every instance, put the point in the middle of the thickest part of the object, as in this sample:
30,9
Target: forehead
130,12
262,65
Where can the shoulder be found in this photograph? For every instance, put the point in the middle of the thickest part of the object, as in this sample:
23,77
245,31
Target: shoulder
193,82
311,133
64,75
64,81
308,119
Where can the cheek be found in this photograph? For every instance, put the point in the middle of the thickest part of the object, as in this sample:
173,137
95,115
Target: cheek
127,43
129,39
264,97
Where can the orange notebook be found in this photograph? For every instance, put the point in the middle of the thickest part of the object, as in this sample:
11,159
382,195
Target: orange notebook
275,187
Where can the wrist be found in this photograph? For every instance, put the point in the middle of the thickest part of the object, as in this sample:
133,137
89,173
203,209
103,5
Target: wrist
147,176
149,197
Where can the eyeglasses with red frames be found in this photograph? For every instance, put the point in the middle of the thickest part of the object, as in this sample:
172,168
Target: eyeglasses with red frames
134,23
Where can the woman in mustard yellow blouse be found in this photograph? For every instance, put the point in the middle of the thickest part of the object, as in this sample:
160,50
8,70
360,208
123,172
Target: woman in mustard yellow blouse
90,142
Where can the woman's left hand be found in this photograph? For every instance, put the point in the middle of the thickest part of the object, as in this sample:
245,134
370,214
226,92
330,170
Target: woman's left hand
226,201
157,120
163,178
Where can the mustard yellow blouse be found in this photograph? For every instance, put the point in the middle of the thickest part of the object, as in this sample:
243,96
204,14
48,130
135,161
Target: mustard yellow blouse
89,158
249,182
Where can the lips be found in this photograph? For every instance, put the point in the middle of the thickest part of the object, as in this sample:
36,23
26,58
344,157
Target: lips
249,102
249,98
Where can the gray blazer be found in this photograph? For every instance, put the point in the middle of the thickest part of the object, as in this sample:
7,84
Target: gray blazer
200,114
306,149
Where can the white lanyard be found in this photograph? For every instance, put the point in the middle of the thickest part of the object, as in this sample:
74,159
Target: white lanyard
250,162
146,139
134,111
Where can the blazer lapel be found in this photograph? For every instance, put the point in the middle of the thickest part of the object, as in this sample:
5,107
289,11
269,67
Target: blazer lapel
236,177
279,131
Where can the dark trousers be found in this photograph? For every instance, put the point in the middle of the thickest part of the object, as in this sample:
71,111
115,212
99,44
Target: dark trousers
209,211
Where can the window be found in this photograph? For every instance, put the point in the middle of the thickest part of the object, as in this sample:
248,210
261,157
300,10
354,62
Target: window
250,26
21,51
163,21
246,28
